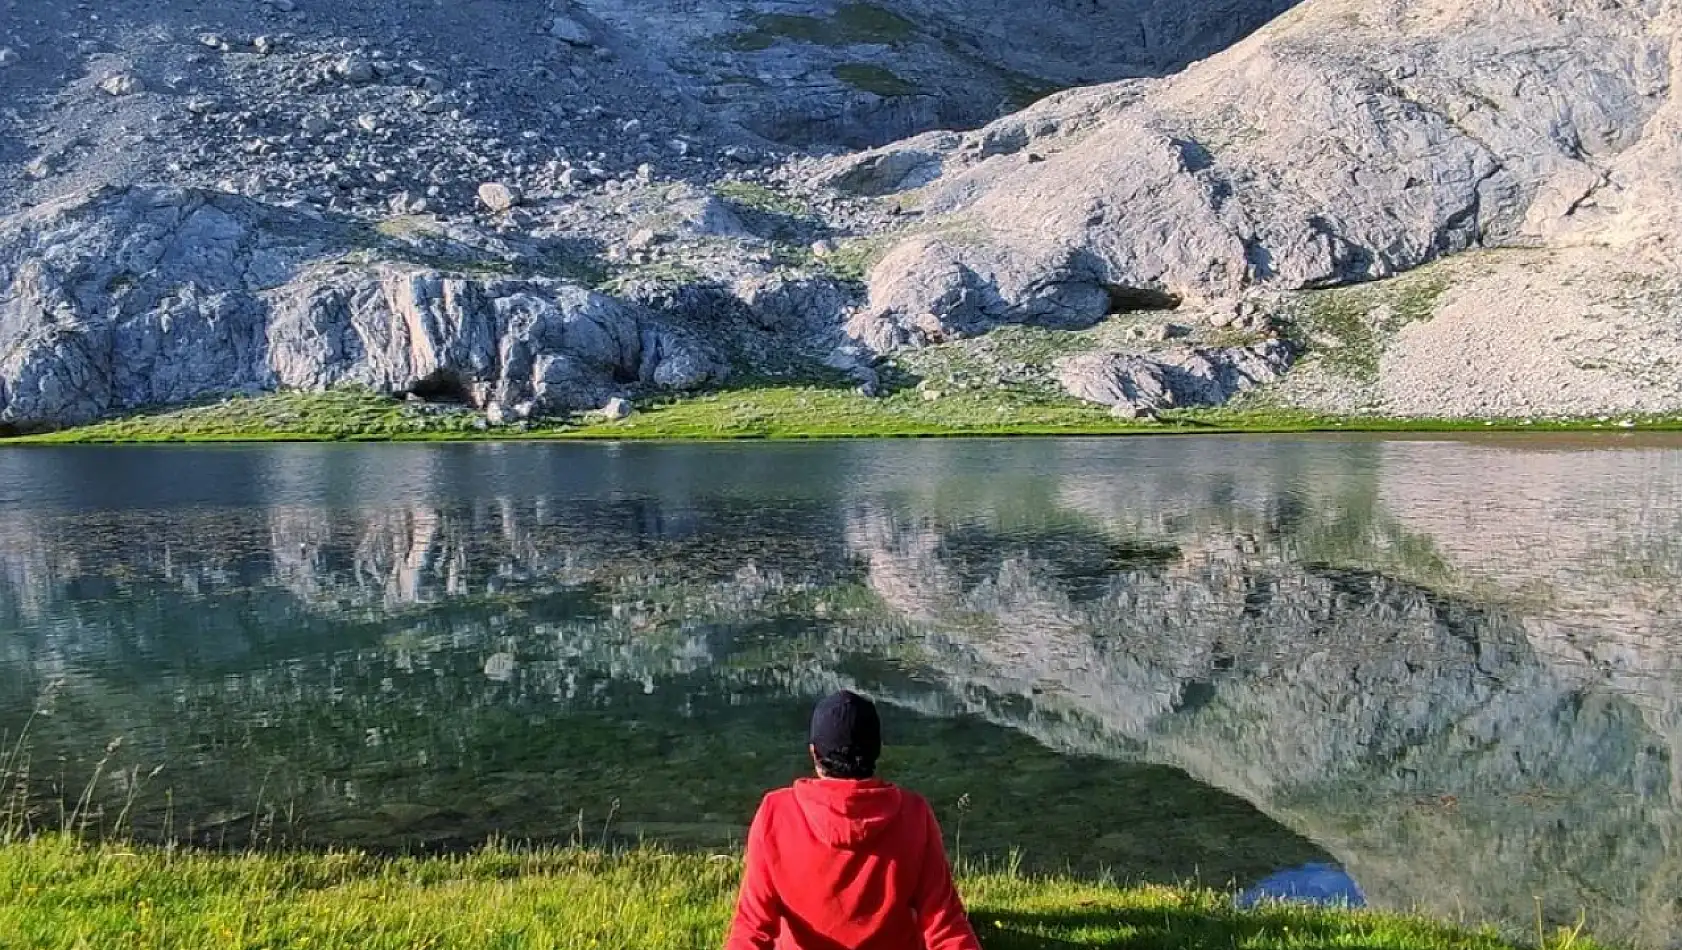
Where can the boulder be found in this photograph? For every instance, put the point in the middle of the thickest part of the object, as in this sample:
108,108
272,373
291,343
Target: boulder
497,196
149,297
1343,142
1142,384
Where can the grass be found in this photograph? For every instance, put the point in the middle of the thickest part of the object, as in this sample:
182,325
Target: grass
756,197
772,410
853,24
57,894
348,413
1348,328
876,80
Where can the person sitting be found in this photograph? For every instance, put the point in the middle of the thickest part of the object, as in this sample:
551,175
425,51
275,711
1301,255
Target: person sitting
847,861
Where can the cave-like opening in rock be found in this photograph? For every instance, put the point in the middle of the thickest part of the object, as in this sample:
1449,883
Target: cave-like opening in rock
442,386
1130,299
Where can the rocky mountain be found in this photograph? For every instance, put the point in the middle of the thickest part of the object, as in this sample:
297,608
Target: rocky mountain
1498,178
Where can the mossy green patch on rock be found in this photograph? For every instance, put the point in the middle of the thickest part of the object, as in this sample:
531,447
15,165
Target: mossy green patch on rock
1348,328
853,24
756,197
876,80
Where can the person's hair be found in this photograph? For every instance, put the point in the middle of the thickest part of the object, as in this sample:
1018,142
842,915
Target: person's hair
846,765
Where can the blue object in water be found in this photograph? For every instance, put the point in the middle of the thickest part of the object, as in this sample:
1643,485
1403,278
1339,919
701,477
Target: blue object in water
1310,884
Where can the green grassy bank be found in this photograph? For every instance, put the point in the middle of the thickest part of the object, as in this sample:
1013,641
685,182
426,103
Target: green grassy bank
778,412
55,893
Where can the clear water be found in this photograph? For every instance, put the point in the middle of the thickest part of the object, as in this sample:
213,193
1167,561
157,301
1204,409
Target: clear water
1427,673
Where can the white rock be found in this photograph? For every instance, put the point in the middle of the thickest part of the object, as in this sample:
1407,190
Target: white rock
616,409
500,667
643,239
122,84
823,248
497,196
368,122
8,56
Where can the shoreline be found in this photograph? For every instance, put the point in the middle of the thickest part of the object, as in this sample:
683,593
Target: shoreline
56,892
781,414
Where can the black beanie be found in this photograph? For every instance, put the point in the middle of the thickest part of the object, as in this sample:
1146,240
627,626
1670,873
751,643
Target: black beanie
845,726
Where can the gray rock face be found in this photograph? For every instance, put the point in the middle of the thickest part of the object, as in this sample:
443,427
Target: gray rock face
863,74
1137,384
1346,141
156,296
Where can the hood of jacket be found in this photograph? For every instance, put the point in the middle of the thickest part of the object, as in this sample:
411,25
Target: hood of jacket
847,814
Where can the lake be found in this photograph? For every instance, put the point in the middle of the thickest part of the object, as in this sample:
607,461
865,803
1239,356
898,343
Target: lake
1429,673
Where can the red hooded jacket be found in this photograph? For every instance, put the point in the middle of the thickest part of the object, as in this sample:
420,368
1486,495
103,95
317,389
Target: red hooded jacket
844,865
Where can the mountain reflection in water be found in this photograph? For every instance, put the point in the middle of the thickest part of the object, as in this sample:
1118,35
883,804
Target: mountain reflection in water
1446,671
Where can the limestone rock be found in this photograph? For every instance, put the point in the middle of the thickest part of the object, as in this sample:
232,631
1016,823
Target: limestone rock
497,196
786,303
1143,384
355,70
616,409
149,297
122,84
1341,143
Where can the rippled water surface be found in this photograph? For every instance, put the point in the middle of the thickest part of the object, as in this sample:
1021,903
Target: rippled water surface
1430,673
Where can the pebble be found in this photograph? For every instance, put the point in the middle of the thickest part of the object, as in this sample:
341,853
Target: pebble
264,45
8,56
314,125
368,121
497,196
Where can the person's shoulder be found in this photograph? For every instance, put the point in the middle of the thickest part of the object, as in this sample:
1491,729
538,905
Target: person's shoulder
912,803
776,798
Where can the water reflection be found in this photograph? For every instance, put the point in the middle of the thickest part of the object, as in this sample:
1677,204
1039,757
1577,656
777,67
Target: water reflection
1447,671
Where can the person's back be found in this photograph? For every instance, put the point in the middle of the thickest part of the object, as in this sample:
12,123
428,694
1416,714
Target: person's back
846,861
